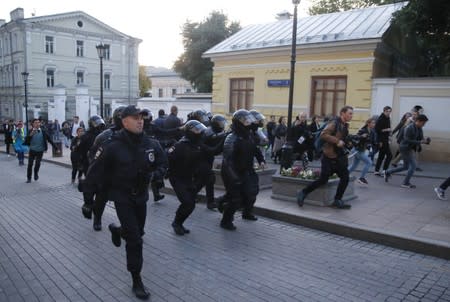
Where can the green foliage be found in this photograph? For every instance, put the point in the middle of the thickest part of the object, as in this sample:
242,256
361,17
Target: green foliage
428,23
198,38
332,6
144,82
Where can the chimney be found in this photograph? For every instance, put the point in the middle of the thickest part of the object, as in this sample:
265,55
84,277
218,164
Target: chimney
284,15
17,14
2,21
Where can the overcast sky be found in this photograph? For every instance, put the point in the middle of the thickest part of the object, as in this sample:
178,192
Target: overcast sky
157,23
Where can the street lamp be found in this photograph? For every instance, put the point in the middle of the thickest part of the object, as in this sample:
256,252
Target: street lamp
25,81
293,56
101,49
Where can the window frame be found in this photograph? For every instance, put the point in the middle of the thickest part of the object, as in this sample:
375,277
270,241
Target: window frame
247,91
49,44
107,52
107,81
80,48
78,77
50,78
335,91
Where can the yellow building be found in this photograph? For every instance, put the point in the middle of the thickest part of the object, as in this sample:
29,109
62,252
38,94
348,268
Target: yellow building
338,54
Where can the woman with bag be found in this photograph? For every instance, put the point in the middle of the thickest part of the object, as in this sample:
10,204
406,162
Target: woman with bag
280,138
18,136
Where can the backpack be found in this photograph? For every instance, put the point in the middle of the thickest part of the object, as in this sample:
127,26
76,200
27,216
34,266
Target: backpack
401,134
319,142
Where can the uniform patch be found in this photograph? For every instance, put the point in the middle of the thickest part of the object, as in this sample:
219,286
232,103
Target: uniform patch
98,153
151,156
171,149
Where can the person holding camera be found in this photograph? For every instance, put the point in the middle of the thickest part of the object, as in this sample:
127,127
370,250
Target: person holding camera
410,143
334,158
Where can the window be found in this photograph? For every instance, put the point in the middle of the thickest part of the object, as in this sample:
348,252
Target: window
50,78
241,94
49,44
160,92
328,95
80,46
188,90
174,91
107,81
107,52
80,77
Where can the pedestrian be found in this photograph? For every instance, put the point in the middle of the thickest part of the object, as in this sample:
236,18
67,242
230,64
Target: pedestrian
8,129
300,136
238,172
56,130
37,141
364,135
404,121
280,138
411,141
124,167
75,126
270,126
334,158
67,134
383,130
313,127
159,121
75,156
440,191
19,135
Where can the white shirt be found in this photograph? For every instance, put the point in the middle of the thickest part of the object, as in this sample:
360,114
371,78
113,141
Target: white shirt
74,129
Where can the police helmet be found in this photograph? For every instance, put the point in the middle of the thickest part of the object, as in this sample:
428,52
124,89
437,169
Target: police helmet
96,121
117,115
199,115
209,115
259,117
242,118
194,129
147,114
218,123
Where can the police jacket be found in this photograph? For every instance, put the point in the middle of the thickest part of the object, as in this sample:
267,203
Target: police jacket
125,165
184,159
332,134
383,122
239,151
213,143
101,139
86,142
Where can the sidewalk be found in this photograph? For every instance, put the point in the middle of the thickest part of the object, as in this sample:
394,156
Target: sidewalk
384,213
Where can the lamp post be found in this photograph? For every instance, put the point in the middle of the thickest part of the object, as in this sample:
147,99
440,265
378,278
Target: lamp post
25,81
101,54
293,57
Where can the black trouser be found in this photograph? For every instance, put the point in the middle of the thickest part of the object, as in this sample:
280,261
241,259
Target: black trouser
132,217
8,147
32,156
237,195
209,188
156,185
329,167
384,153
445,184
186,193
75,171
101,198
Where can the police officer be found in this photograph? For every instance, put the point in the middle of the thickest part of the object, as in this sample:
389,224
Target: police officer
184,159
101,197
96,126
238,174
125,167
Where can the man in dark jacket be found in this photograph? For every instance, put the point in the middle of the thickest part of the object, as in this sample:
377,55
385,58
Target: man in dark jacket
37,140
412,139
383,131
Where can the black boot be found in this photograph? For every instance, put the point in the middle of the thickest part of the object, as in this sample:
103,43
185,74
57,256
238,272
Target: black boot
97,223
211,205
86,209
138,287
115,234
178,228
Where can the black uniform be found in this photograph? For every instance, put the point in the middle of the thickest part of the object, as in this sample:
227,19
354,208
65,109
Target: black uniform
124,167
184,160
238,173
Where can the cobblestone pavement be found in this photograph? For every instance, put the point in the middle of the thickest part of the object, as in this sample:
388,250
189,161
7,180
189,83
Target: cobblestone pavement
48,252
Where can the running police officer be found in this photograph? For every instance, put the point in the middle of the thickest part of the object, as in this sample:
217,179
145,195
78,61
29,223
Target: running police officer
101,197
238,174
184,159
124,167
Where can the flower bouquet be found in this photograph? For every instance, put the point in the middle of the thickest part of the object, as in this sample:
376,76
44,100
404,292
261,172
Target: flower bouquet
300,172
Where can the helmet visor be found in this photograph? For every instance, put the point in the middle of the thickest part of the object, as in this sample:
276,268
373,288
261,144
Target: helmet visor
198,129
247,119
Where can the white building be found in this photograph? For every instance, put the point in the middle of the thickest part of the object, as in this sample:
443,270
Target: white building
59,53
166,83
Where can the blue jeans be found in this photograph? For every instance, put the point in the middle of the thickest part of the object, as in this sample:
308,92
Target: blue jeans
409,163
361,156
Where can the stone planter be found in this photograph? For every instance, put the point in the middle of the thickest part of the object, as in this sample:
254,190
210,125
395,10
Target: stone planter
265,179
286,188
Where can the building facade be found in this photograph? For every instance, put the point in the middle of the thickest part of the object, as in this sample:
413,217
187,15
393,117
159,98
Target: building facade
338,54
166,83
59,54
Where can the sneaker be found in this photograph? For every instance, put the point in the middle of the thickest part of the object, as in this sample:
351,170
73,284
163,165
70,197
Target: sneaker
28,180
419,169
250,217
386,176
157,198
440,193
227,226
408,186
377,173
339,204
394,165
362,181
178,229
36,177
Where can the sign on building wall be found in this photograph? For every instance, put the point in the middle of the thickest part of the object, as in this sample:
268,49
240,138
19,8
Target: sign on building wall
278,83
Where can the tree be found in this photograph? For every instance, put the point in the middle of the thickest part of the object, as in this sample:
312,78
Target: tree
332,6
144,82
198,38
428,23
